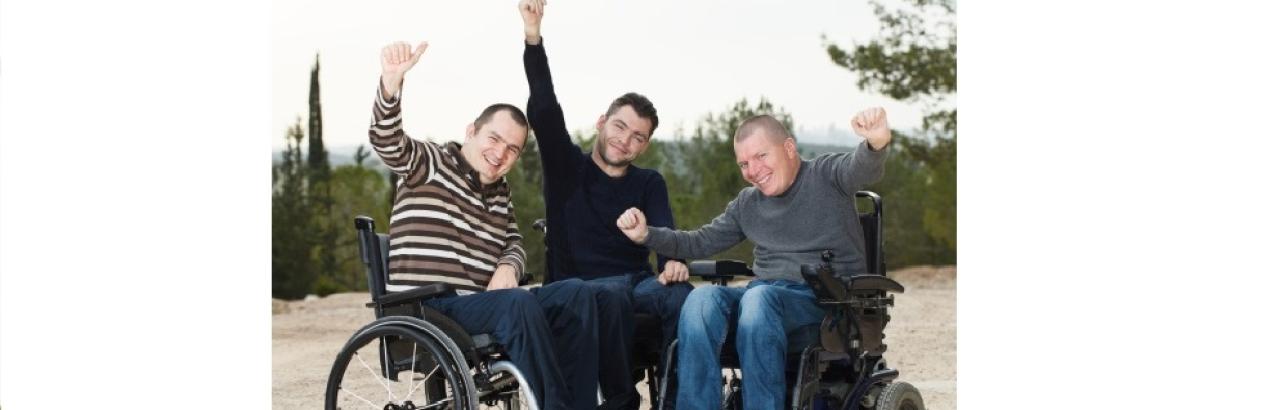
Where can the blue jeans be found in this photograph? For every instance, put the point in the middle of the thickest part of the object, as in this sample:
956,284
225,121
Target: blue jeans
618,297
768,313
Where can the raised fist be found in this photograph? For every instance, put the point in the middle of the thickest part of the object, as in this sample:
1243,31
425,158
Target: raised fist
873,125
531,11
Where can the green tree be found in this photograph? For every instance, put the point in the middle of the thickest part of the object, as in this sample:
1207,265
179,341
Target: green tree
913,59
291,272
325,228
356,190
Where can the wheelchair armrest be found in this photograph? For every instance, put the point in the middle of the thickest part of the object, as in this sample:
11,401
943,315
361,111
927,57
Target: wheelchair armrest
719,268
874,282
415,294
719,271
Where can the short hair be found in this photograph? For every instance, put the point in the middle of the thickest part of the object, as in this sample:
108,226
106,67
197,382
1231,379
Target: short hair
516,114
637,102
763,122
501,106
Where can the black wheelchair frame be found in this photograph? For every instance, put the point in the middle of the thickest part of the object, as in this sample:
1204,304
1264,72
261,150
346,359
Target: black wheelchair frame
846,368
459,370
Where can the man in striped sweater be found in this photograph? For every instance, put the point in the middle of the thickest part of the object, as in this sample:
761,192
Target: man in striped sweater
453,222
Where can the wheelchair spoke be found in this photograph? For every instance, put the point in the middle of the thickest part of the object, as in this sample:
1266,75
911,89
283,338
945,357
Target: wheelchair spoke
375,375
413,365
420,383
342,390
438,404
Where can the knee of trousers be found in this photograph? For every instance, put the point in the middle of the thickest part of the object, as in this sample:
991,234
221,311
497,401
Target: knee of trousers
613,300
761,307
705,305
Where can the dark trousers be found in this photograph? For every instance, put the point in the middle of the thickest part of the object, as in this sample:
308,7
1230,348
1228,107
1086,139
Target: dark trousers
549,333
618,298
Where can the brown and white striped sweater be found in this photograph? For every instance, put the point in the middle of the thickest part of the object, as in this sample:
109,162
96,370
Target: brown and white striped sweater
445,225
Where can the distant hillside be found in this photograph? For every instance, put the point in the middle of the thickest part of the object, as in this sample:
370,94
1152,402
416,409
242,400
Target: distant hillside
345,155
338,156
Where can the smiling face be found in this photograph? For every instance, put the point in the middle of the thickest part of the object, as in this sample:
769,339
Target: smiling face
770,163
622,136
493,148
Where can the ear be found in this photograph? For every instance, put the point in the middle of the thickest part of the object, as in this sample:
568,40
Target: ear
471,130
790,145
600,124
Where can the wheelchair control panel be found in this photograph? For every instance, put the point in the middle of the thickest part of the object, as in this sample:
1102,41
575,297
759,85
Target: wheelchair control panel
856,304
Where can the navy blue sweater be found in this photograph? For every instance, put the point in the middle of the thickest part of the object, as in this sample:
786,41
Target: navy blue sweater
582,202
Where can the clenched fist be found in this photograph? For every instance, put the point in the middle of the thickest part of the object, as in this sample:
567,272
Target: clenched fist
396,60
873,125
632,224
531,11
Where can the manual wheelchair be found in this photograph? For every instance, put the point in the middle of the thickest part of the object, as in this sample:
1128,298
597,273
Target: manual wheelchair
425,360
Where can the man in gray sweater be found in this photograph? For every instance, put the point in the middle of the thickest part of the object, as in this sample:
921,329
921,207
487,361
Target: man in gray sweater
793,211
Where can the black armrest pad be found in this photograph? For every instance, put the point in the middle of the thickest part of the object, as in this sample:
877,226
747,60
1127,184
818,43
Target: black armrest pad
418,293
717,268
874,282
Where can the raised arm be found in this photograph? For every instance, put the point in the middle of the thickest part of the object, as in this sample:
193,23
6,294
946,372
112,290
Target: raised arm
411,160
545,115
865,165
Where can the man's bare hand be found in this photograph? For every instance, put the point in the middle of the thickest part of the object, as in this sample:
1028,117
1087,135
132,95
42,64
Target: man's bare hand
397,59
504,277
674,272
531,11
873,124
632,224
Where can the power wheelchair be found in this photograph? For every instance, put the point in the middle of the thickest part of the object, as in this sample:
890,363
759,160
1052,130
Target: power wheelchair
845,368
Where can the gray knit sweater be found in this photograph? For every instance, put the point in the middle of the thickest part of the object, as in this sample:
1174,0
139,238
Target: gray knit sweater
815,214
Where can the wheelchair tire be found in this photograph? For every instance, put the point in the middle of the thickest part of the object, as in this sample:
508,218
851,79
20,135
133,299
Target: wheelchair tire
435,375
900,396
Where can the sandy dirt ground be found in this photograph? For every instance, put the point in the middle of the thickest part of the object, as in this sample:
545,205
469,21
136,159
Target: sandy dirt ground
306,335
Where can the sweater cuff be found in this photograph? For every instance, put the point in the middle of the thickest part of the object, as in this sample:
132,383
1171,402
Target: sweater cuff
385,102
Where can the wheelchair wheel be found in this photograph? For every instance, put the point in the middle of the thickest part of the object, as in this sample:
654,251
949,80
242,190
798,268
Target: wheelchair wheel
900,396
424,373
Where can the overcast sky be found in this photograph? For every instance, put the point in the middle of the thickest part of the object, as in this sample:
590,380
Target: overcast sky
689,57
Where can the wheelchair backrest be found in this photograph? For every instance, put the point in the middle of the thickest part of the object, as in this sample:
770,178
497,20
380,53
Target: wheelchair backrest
373,253
872,232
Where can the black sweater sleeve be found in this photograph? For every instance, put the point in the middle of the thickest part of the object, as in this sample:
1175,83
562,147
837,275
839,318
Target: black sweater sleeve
559,154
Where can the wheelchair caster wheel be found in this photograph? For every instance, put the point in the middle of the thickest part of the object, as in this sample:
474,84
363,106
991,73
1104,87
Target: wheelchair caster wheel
899,396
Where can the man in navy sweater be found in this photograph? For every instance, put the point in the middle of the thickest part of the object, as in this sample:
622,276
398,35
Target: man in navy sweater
584,194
